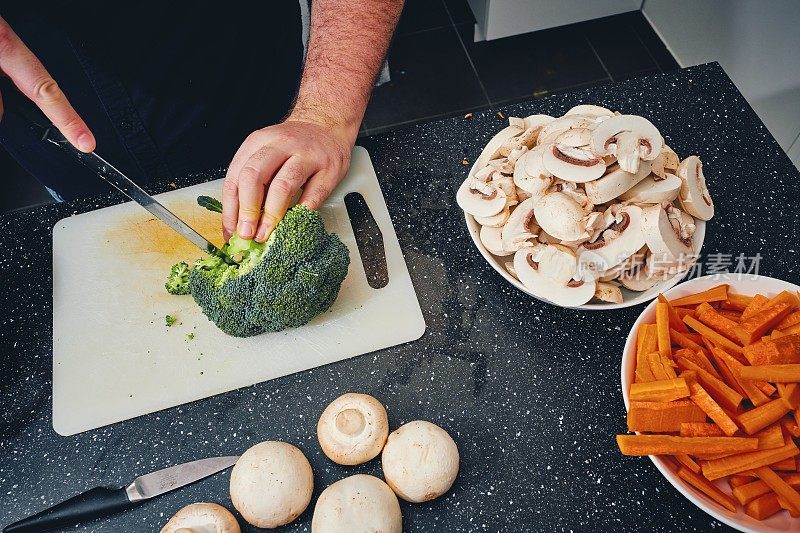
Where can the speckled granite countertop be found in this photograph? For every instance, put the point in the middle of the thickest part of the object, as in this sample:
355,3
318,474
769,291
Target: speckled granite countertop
530,392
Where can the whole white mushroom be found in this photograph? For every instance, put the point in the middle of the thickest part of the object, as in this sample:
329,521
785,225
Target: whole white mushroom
353,429
420,461
202,518
271,484
357,503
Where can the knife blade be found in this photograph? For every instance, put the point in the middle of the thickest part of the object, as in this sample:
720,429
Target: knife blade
103,501
18,104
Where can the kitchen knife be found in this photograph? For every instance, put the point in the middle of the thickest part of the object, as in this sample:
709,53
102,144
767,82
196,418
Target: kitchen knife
17,103
103,501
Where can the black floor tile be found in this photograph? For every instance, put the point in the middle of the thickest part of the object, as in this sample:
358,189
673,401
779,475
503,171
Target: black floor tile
460,11
618,46
639,74
430,76
533,63
543,94
457,113
420,15
652,42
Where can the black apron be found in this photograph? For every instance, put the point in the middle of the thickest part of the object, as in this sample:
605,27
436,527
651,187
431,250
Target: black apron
168,88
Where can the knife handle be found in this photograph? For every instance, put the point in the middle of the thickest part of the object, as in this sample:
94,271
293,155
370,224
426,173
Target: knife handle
94,503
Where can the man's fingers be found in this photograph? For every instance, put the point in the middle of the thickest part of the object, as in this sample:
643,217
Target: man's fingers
253,177
30,76
230,192
281,192
317,189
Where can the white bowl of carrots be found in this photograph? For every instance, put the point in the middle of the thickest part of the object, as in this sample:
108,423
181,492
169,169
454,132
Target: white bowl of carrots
711,384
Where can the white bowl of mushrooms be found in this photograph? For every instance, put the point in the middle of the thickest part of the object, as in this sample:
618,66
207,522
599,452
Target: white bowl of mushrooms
589,210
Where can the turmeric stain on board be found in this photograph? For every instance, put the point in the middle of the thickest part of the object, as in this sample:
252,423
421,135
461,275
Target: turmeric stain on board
143,235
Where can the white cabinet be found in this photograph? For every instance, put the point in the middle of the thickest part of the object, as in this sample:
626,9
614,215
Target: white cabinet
756,42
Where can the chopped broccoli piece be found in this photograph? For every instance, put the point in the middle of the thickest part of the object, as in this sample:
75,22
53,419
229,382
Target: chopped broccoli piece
280,284
178,280
171,320
212,204
189,336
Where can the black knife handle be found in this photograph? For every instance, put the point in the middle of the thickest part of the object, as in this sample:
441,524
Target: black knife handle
94,503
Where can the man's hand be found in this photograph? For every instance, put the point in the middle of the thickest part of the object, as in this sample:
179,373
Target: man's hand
280,160
32,79
311,149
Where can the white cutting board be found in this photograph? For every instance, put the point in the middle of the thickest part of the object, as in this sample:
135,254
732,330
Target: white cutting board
115,359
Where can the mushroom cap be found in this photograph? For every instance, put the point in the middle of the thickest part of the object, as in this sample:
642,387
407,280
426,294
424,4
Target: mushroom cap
353,429
491,238
492,148
480,198
653,191
560,216
420,461
573,164
357,503
590,110
530,174
271,484
660,235
562,124
614,183
202,518
592,258
630,138
543,272
495,221
693,196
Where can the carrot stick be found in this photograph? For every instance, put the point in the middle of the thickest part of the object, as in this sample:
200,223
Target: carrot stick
722,394
660,367
705,402
738,302
750,388
683,340
663,416
791,427
772,437
751,329
758,302
699,358
700,429
703,485
737,480
662,330
644,347
763,507
683,311
734,464
785,350
784,297
664,390
790,394
715,294
791,330
675,321
790,320
688,462
729,375
748,492
780,487
734,316
789,464
712,335
762,416
774,373
670,445
708,316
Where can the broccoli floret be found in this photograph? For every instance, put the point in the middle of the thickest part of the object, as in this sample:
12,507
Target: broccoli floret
190,336
178,280
170,321
280,284
212,204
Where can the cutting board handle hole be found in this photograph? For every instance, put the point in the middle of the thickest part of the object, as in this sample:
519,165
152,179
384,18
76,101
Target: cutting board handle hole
368,239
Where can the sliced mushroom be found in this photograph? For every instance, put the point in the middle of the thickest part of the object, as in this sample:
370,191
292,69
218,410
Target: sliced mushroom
630,138
495,221
573,164
480,199
560,216
657,166
590,110
530,174
520,227
575,192
694,197
615,182
575,137
506,184
492,240
492,148
563,124
485,174
661,237
620,241
537,122
641,279
652,191
671,159
608,292
548,273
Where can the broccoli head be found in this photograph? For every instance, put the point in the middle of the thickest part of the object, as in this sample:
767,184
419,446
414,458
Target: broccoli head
280,284
178,279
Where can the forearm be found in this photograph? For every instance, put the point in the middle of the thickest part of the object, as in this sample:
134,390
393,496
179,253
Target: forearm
347,46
